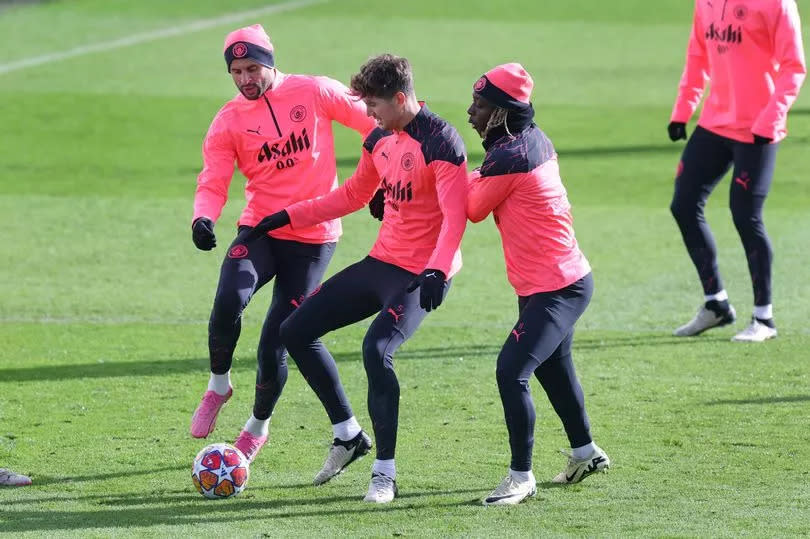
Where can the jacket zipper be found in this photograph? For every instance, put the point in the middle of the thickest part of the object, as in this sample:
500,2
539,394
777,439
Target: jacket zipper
273,114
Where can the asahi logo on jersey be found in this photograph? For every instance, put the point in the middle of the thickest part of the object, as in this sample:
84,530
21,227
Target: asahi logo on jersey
396,192
282,152
729,34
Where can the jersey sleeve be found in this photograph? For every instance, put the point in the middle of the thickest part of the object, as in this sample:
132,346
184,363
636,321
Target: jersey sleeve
219,156
695,74
451,189
351,196
338,104
485,194
789,54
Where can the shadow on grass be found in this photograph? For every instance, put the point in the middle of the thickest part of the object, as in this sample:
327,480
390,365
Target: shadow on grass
183,508
762,400
110,369
60,480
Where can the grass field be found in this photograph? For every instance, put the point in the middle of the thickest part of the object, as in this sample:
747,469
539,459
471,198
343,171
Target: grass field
103,353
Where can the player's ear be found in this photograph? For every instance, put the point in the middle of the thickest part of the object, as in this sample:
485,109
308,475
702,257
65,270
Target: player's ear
400,98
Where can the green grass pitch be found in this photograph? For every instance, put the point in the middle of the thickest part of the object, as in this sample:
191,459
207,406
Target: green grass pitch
104,299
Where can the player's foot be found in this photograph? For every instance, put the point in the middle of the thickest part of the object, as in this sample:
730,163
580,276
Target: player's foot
757,331
576,470
706,318
11,479
341,454
205,416
511,492
382,489
249,444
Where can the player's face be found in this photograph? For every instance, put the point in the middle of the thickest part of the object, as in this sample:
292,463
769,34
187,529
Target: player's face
387,112
480,110
252,79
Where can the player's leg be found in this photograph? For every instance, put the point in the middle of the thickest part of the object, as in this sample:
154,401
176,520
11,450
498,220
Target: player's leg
705,160
546,321
753,174
397,321
347,297
245,269
300,268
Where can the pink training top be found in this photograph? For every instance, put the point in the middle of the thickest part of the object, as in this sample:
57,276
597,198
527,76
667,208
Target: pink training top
423,169
283,144
519,182
752,51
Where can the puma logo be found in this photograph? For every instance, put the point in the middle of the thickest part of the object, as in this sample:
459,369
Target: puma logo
257,130
743,180
395,315
517,332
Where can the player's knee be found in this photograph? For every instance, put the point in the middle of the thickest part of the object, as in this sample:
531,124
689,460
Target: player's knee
374,356
506,373
290,334
682,210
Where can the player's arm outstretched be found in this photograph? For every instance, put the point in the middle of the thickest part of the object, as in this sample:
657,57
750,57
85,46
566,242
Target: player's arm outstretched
355,193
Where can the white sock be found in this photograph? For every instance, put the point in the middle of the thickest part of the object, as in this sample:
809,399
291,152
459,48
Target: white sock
385,467
346,430
720,296
522,477
257,427
763,312
220,383
583,452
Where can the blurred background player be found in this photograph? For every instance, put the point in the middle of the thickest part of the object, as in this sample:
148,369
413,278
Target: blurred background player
420,162
751,52
11,479
278,130
519,182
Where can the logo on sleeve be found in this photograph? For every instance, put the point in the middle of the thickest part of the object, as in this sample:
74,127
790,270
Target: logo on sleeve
741,12
408,161
240,50
298,113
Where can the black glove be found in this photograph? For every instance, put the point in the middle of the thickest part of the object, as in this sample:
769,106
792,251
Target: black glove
271,222
761,141
376,206
432,284
677,131
202,233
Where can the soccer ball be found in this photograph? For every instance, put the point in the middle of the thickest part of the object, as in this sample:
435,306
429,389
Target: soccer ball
220,471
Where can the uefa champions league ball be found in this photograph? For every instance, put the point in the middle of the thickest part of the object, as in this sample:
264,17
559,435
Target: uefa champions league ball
220,471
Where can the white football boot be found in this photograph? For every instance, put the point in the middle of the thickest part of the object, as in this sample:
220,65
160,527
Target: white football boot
511,492
755,332
577,470
706,319
382,489
341,454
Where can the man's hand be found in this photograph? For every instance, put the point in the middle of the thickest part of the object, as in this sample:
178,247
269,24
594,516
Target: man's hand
271,222
432,284
376,206
202,233
762,141
677,131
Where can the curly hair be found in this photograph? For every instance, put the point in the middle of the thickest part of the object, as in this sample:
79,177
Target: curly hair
497,118
383,76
